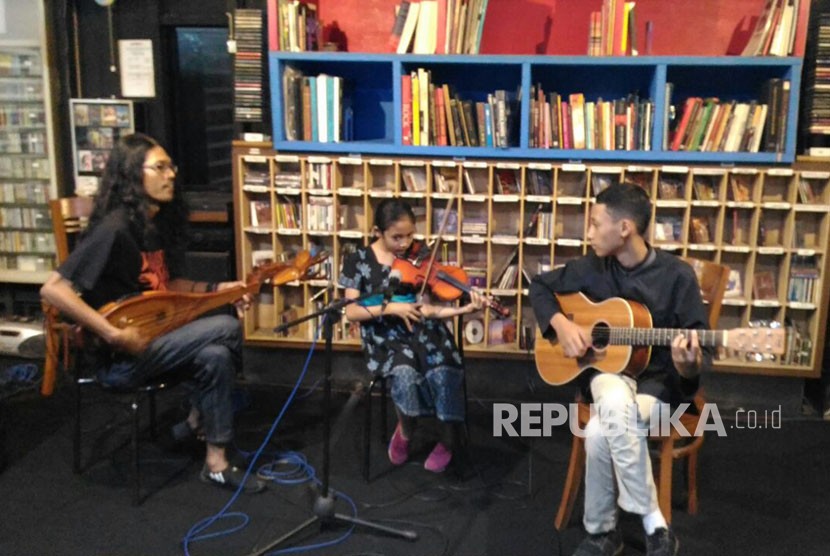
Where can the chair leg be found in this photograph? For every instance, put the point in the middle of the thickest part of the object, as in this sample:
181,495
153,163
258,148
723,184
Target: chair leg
384,438
76,433
367,431
136,453
573,482
692,483
151,395
664,488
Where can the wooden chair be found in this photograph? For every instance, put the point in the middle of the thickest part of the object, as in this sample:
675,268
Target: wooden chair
70,217
712,278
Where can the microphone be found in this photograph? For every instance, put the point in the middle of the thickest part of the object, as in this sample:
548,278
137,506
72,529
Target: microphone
394,282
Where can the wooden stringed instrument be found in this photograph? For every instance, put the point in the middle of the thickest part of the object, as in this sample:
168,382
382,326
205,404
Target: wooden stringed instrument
155,313
622,336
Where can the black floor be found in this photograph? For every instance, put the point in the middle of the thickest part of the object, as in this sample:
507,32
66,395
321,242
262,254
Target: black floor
761,491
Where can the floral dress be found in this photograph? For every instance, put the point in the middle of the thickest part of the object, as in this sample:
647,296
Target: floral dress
425,366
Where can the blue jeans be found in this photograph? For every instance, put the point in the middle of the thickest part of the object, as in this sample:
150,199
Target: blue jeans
208,352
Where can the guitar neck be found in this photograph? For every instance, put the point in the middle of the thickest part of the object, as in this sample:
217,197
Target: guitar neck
657,336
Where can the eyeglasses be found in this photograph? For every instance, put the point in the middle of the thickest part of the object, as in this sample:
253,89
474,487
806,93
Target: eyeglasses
162,167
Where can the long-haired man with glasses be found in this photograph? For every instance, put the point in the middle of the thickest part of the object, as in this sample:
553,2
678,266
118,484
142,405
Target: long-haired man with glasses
135,242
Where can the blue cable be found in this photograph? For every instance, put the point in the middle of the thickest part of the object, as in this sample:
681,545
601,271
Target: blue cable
193,533
300,473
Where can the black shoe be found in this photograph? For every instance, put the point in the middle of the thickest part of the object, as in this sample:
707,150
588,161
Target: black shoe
602,544
230,478
662,543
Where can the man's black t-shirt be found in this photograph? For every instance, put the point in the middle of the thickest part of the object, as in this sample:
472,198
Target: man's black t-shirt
666,285
110,263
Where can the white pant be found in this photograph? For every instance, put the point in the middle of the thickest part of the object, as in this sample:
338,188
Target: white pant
615,454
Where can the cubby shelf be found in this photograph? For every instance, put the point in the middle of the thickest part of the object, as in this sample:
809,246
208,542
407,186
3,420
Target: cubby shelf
372,90
769,224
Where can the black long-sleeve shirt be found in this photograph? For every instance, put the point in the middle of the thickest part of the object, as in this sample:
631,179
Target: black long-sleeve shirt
665,284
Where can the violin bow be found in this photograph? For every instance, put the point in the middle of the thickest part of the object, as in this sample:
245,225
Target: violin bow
441,229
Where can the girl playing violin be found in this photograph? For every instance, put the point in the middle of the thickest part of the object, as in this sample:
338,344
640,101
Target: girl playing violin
407,339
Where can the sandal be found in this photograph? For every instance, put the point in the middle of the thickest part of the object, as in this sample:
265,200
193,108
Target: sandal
231,477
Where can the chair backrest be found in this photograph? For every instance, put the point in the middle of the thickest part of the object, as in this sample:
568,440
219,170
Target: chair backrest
713,278
70,216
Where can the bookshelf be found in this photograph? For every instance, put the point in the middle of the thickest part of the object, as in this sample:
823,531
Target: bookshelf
27,166
770,224
372,95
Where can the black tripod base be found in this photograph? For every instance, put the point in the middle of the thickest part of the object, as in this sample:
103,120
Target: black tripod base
325,515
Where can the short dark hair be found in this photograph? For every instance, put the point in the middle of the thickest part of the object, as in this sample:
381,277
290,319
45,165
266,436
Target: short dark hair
628,200
390,211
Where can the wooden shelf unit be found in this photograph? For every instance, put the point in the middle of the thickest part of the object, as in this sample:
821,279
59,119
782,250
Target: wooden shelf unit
761,221
27,156
372,91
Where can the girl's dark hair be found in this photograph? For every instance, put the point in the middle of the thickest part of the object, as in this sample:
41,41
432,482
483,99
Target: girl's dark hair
627,200
122,187
390,211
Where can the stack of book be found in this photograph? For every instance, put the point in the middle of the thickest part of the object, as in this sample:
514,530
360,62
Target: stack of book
713,125
571,122
433,115
804,281
438,26
288,216
613,30
256,177
313,107
777,27
320,214
474,226
293,26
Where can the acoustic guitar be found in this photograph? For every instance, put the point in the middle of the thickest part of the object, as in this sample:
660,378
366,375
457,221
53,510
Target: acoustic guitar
622,335
155,313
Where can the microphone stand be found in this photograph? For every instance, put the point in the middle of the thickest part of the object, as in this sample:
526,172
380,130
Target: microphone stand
323,507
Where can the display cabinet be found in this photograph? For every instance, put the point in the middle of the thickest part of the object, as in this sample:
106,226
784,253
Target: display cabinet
515,218
27,166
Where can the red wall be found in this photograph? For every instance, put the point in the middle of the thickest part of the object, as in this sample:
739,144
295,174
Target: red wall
681,27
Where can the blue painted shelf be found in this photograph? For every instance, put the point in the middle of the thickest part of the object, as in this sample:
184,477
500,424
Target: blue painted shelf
372,88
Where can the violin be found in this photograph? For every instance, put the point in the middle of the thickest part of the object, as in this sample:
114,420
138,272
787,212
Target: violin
446,282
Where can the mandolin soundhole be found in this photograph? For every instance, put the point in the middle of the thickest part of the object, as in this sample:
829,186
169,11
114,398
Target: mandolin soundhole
161,316
599,335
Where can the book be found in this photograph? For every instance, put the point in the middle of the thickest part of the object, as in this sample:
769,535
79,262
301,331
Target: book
740,187
699,230
501,331
401,14
704,187
763,286
506,181
670,187
445,180
406,109
414,179
734,286
763,28
475,182
408,30
261,214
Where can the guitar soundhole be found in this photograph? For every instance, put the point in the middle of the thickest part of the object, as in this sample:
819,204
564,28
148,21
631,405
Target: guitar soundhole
599,335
